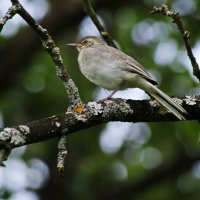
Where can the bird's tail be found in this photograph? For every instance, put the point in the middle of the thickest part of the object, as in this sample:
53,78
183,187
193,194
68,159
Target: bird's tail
169,103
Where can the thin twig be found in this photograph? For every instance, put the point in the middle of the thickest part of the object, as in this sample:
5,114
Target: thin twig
9,14
185,34
54,52
62,153
99,25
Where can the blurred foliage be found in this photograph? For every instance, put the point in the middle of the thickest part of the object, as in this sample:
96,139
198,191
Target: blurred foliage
92,172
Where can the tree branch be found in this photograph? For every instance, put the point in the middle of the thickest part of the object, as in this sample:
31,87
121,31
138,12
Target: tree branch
12,11
185,34
98,24
54,52
95,113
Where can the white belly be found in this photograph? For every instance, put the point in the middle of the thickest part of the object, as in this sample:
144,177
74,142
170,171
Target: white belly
100,72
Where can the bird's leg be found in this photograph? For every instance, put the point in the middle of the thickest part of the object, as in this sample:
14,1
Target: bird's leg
109,96
112,93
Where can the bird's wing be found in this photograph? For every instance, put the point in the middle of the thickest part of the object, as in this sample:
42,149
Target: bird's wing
127,62
134,66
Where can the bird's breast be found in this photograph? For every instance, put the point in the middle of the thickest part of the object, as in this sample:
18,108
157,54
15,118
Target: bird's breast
99,68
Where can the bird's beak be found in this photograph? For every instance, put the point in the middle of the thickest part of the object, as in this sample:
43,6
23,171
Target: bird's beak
72,44
76,45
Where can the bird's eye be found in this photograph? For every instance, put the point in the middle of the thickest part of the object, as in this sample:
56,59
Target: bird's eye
85,41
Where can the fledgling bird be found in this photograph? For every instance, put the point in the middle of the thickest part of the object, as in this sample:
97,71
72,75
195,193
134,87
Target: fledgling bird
112,69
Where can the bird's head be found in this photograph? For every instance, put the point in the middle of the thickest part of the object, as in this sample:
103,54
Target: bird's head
86,42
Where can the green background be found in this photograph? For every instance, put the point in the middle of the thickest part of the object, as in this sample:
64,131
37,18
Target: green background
116,160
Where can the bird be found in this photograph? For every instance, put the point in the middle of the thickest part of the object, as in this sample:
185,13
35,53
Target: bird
112,69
